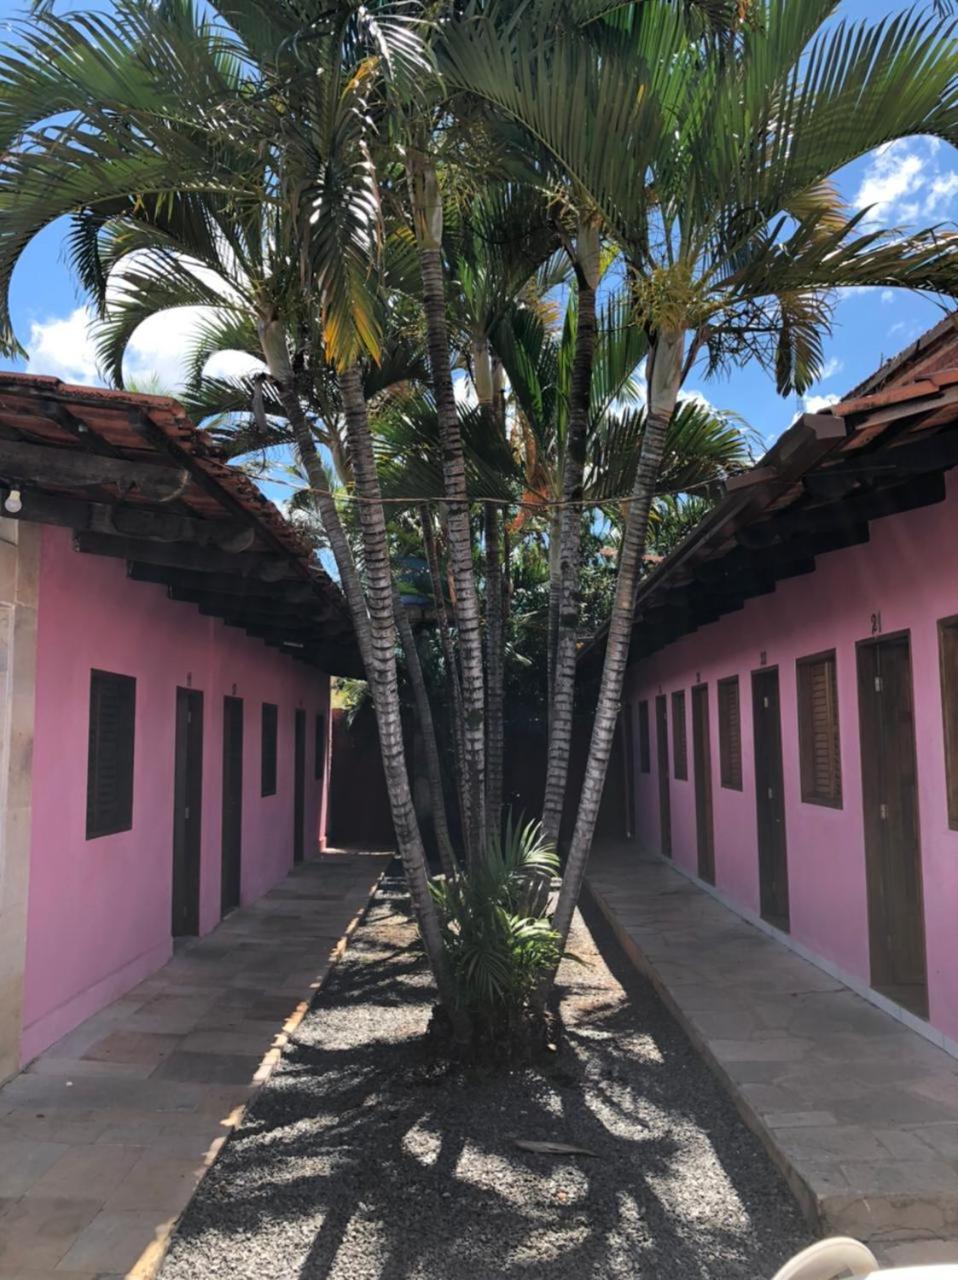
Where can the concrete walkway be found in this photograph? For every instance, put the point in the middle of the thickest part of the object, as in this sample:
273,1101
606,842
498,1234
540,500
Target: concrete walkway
859,1112
104,1138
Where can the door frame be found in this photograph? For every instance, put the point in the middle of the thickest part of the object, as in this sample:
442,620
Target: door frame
874,642
662,765
187,812
702,782
230,894
299,785
778,921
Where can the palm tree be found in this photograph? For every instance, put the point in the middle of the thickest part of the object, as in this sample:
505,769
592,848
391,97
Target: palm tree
211,134
731,232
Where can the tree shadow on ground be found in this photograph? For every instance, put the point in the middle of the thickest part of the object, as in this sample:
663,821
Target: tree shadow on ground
363,1157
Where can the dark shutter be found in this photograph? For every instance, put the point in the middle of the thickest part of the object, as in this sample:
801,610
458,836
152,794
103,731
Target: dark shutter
268,757
645,751
109,796
680,755
948,655
730,734
818,738
319,756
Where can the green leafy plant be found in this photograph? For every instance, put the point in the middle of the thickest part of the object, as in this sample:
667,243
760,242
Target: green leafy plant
497,937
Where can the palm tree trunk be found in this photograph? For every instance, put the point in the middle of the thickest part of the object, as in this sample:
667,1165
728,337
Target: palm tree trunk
664,379
382,676
427,216
457,713
487,378
555,591
272,336
495,671
428,729
562,699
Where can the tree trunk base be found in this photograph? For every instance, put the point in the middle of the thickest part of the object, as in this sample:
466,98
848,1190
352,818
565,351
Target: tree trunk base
501,1041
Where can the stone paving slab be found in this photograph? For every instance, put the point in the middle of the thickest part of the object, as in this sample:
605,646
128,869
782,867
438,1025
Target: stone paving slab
104,1138
858,1111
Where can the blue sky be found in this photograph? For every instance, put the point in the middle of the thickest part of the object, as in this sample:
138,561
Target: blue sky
914,181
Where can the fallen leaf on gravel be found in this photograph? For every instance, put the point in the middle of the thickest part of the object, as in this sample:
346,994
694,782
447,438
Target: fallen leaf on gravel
551,1148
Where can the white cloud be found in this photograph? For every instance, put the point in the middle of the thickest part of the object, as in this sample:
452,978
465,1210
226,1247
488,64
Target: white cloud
63,347
895,171
832,366
942,192
815,404
905,181
887,295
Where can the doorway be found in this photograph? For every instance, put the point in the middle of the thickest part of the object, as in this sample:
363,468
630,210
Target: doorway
232,863
896,923
187,813
702,767
662,759
299,786
770,797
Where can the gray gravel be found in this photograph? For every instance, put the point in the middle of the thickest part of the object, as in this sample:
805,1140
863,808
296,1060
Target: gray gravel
361,1160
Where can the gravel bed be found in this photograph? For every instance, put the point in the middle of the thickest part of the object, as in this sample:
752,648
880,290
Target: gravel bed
362,1160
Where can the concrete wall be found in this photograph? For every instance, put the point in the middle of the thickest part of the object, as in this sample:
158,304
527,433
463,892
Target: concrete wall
19,561
908,574
99,910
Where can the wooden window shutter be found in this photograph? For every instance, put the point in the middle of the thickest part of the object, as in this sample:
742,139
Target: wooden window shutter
268,755
730,734
948,658
645,748
319,758
680,756
109,796
818,735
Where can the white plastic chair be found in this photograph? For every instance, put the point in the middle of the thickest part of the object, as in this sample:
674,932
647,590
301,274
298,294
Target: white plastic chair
829,1259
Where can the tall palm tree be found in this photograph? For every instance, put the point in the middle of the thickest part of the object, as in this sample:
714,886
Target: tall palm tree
212,132
731,232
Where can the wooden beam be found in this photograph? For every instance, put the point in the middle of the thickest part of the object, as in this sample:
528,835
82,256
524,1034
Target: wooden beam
919,491
178,555
937,453
33,464
226,584
133,521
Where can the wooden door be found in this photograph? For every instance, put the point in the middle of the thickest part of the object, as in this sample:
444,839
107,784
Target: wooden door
628,764
770,797
890,802
187,813
702,767
299,785
232,804
662,754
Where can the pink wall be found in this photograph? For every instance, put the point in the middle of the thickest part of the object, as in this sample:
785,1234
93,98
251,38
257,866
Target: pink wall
908,573
99,910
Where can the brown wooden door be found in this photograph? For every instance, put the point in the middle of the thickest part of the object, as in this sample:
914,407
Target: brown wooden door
232,804
770,798
299,785
702,766
890,803
187,812
628,732
662,754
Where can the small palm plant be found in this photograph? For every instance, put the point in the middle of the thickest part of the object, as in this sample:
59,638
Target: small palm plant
498,940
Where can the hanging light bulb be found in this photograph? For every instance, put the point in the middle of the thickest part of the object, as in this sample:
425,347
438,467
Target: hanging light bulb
13,502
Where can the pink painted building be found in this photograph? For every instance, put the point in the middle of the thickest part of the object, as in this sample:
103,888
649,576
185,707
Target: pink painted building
791,710
167,645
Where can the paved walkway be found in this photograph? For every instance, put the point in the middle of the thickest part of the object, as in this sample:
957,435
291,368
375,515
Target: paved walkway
104,1138
859,1112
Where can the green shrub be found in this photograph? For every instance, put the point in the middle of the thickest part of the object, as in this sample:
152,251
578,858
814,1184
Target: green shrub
497,937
